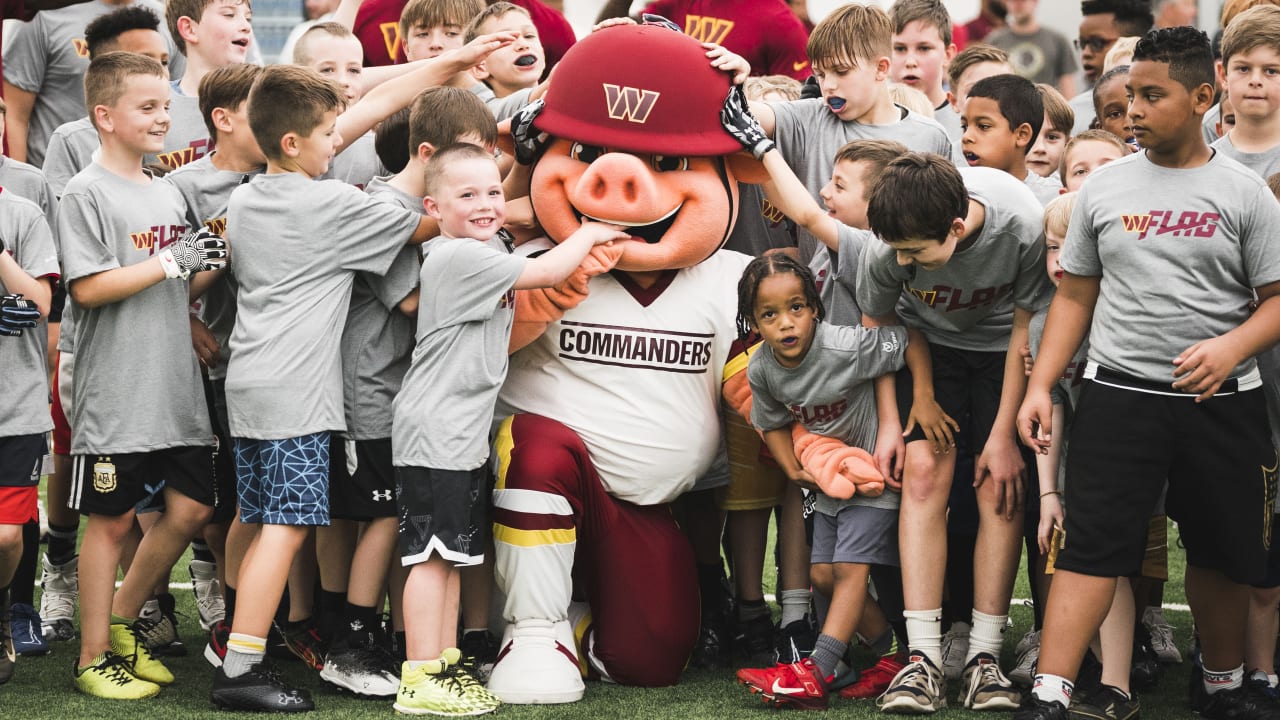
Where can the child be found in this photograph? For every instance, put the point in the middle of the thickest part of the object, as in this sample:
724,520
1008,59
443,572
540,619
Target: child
1001,121
1102,24
1087,152
850,52
1111,104
1131,397
819,375
431,27
975,62
119,231
284,382
211,34
922,47
1045,158
513,72
962,259
28,272
26,181
441,448
1250,49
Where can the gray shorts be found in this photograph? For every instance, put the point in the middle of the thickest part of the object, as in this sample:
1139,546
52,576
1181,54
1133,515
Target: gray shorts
858,534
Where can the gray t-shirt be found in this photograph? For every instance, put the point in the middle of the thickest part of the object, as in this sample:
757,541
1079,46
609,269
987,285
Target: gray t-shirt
836,275
949,119
28,182
297,245
1044,188
1067,389
1082,106
760,226
357,164
207,192
24,383
48,56
1209,124
188,137
1043,56
968,303
831,392
137,384
70,150
445,408
378,339
809,135
1265,163
1179,252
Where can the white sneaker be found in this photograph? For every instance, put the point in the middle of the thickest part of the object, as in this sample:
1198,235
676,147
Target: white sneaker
362,670
208,590
955,646
1027,653
538,663
917,689
986,688
1161,636
59,592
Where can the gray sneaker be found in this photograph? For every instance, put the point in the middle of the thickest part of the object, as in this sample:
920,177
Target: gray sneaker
1028,654
986,688
59,592
918,688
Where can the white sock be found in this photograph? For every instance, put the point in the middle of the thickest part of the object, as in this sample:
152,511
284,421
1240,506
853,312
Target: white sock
1053,688
795,605
1218,680
924,633
986,636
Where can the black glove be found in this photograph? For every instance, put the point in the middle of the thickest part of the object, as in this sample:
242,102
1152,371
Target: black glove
17,315
810,89
528,140
197,251
649,19
742,125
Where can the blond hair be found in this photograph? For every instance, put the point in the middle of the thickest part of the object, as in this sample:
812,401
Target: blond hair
1121,53
1056,108
973,54
1095,135
302,50
757,86
1254,28
854,33
911,99
437,13
1057,214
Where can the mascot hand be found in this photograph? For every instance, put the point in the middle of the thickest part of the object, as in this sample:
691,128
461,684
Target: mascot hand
738,121
536,309
839,470
528,141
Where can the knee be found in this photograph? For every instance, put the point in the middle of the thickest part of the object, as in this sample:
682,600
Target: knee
926,477
10,539
822,577
543,452
188,514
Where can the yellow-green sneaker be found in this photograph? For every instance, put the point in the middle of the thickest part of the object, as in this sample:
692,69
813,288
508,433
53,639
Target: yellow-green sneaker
108,677
472,687
439,687
126,643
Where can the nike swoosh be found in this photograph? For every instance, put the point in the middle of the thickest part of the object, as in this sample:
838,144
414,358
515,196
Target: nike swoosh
798,66
780,689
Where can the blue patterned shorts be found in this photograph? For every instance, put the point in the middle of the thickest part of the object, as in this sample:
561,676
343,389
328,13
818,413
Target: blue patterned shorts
283,482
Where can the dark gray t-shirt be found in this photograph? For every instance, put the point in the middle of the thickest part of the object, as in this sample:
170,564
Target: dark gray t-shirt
760,226
831,392
1179,252
298,244
836,275
445,407
137,384
968,303
1043,56
24,382
378,339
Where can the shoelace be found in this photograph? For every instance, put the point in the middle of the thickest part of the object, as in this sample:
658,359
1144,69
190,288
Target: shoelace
921,677
1161,635
115,670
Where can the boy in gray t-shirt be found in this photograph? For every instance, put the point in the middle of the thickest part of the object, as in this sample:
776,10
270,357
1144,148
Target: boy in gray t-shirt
122,242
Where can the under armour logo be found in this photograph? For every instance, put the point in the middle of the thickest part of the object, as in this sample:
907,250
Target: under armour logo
381,495
290,699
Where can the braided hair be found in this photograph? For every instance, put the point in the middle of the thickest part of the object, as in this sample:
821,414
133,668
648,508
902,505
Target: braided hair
761,268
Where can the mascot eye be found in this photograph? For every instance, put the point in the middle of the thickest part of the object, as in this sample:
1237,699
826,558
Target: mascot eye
585,153
663,163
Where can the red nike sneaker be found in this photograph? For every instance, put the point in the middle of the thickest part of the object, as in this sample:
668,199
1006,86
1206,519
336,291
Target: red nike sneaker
798,685
873,681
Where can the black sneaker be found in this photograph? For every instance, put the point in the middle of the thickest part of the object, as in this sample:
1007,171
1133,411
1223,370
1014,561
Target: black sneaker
1242,703
8,657
795,641
1144,673
479,652
1089,679
259,690
1033,708
1105,703
711,649
754,641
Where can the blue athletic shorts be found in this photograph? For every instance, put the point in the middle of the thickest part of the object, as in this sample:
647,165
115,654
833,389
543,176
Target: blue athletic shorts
283,482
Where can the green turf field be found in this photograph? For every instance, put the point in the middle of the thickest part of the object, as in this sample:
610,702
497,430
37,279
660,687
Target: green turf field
41,688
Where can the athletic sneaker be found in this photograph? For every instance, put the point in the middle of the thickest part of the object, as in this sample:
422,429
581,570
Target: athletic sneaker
754,640
919,687
128,643
216,649
259,690
798,684
1242,703
8,658
441,687
479,651
1144,673
796,641
1260,682
710,650
1105,703
158,626
986,688
59,592
24,628
108,677
955,646
1027,653
304,642
208,591
362,665
1161,636
873,681
1036,709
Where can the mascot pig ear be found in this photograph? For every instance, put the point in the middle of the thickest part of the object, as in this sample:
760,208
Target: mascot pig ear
746,169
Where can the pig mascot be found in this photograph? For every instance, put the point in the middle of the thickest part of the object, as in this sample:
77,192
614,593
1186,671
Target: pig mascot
613,411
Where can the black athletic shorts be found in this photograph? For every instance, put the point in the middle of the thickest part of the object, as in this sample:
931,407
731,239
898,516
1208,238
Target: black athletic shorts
443,512
369,492
1216,455
224,458
113,484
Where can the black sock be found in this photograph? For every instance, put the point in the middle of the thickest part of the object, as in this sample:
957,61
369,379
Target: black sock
200,550
229,596
23,588
361,619
62,543
709,576
752,609
330,614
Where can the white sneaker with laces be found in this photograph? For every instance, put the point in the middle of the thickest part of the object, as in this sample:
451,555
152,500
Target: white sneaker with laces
59,592
987,688
209,601
1161,636
919,688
